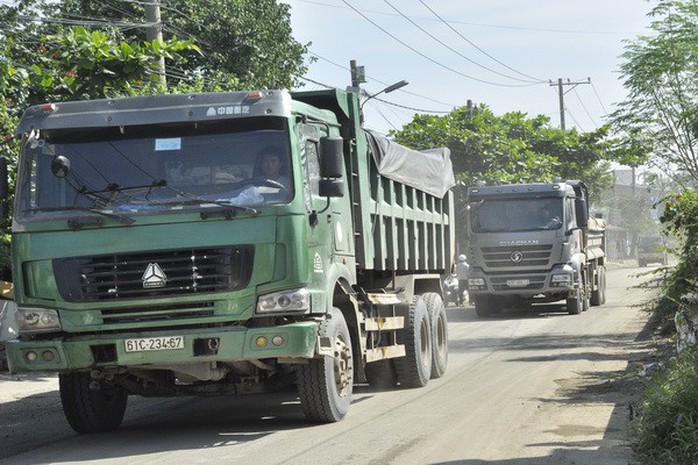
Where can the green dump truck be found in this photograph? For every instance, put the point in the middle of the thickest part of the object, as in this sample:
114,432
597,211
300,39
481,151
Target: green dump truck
160,250
532,243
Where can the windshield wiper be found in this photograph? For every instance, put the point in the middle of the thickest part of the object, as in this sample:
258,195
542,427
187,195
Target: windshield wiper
228,211
79,222
113,189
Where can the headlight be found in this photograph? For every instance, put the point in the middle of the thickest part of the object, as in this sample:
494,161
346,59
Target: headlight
37,320
294,300
562,278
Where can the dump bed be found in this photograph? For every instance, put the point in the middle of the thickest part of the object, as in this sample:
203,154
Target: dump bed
402,204
406,221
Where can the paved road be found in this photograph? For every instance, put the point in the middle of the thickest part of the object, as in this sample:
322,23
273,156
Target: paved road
525,388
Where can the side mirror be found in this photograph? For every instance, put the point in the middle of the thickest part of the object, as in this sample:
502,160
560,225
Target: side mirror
331,188
581,212
331,157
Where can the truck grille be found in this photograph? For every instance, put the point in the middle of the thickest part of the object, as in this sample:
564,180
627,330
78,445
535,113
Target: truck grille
153,274
162,313
531,255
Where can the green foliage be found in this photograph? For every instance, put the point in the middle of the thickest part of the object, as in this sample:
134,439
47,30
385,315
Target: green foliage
668,430
660,72
246,44
680,219
511,148
79,64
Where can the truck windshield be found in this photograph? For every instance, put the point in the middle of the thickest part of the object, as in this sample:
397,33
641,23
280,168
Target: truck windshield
132,170
509,215
649,243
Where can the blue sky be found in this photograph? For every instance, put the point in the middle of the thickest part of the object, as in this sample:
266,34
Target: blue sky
499,52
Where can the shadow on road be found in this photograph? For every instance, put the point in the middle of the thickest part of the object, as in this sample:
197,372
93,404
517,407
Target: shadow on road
623,389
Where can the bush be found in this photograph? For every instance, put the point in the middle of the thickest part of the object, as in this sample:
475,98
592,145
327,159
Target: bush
668,429
680,218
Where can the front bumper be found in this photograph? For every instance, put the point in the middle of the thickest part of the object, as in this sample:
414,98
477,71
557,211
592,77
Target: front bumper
523,284
91,351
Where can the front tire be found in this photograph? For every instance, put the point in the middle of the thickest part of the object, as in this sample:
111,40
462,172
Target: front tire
90,406
414,369
325,385
484,306
598,296
575,305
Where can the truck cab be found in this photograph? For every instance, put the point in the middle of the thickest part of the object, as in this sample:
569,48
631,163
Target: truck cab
651,249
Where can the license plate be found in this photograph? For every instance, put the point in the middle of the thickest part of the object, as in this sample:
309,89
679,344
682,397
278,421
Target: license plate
144,344
517,282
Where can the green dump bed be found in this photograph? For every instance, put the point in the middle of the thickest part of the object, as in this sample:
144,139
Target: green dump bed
403,208
402,204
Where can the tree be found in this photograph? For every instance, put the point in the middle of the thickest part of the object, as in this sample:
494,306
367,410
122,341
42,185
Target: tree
511,148
250,40
660,72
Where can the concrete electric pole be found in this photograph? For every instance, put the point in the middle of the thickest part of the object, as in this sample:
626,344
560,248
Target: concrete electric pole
154,32
561,95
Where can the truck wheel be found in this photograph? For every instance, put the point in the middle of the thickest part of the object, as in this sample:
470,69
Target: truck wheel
325,384
598,296
484,306
414,369
91,410
575,305
586,292
380,375
439,333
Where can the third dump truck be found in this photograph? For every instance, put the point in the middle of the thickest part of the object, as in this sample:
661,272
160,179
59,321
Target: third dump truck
534,243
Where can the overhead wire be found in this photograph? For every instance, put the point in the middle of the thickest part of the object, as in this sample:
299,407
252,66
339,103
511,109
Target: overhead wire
411,21
499,26
581,102
427,57
447,23
380,113
422,110
599,98
574,119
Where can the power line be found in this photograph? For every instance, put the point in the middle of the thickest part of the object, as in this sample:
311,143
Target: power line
585,108
383,116
498,26
411,108
575,120
451,48
599,99
474,44
71,22
430,58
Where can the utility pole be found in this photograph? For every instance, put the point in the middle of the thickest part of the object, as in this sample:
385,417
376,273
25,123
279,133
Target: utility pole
561,95
154,33
358,76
